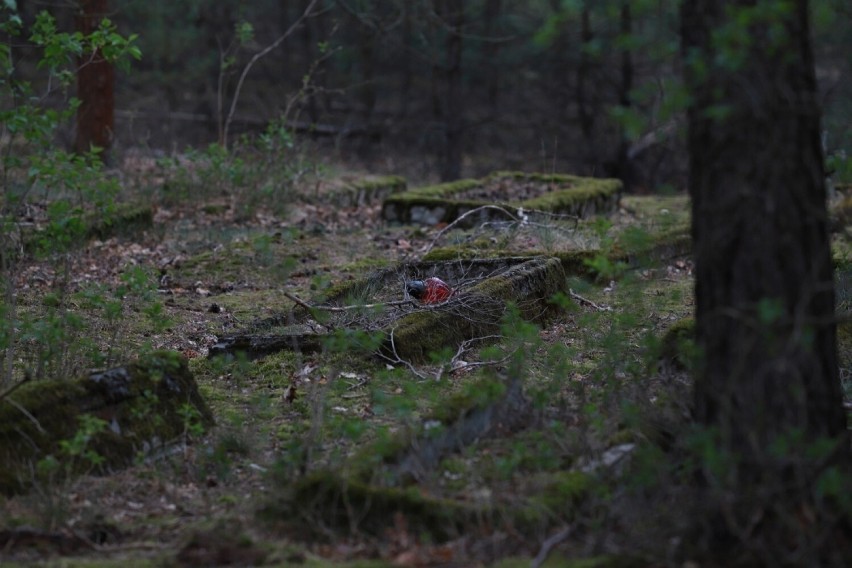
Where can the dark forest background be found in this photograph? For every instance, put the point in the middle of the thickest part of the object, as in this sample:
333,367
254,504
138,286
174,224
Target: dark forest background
438,89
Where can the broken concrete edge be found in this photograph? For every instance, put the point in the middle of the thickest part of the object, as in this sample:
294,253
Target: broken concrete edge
325,503
115,220
145,404
582,196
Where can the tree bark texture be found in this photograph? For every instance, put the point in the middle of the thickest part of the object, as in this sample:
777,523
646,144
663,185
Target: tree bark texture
452,16
95,87
764,279
625,166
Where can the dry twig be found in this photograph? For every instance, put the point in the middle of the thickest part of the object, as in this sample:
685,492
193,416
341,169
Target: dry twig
310,307
588,302
548,545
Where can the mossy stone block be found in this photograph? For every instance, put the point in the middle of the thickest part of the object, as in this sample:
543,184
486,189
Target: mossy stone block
145,404
560,193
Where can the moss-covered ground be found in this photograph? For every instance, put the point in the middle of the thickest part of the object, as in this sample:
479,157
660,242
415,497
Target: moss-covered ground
295,472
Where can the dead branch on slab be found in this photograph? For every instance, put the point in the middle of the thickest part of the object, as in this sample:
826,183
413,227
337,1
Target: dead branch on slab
519,217
310,307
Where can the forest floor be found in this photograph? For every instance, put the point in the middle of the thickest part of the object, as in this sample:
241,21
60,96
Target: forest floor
582,482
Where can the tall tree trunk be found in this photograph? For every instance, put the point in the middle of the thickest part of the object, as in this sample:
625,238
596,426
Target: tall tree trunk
366,46
625,166
406,60
95,87
585,109
310,53
768,387
452,14
492,48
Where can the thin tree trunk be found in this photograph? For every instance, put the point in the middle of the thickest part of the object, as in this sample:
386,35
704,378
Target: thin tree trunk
406,59
453,15
492,48
625,167
585,110
308,48
95,87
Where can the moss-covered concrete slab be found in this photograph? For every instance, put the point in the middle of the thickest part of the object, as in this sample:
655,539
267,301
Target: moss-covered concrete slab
514,191
661,246
141,407
121,220
484,289
478,312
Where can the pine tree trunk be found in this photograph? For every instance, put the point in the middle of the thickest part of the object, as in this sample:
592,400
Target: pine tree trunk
767,391
95,87
451,159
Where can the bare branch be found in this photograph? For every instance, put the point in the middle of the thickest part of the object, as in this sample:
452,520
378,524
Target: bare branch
549,544
255,58
14,387
397,359
588,302
468,214
518,216
310,307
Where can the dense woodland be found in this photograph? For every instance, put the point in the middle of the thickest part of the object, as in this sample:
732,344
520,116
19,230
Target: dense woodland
204,357
468,87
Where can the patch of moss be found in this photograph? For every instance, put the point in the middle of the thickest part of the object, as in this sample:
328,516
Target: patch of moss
364,264
143,404
591,195
124,219
677,341
325,500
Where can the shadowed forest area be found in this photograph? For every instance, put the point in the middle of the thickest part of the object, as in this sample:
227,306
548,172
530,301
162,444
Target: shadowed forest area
375,283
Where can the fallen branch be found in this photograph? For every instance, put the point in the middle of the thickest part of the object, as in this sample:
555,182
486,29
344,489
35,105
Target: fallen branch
548,545
399,360
588,302
520,216
14,387
310,307
454,365
468,214
350,308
